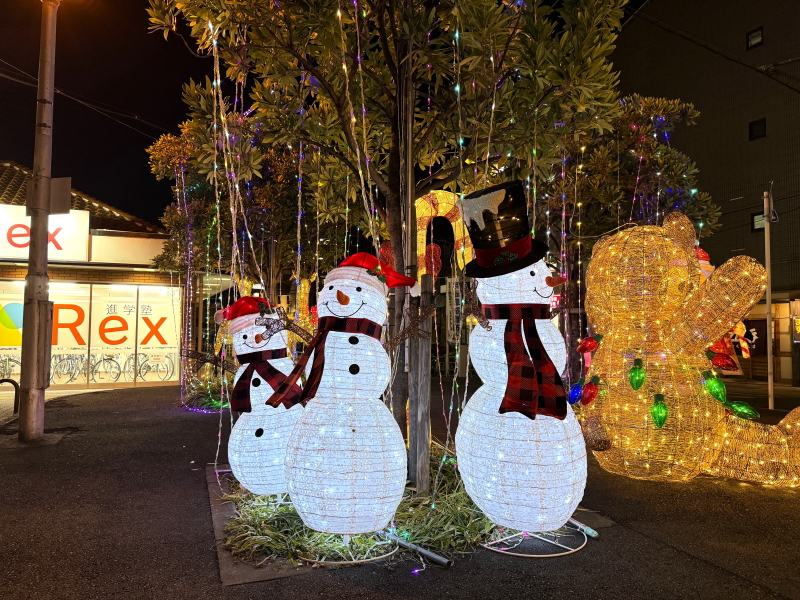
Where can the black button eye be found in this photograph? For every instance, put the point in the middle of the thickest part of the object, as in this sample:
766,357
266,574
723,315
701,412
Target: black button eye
244,337
330,287
358,289
259,432
533,273
353,339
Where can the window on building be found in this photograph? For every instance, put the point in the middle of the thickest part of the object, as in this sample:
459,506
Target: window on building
757,129
755,38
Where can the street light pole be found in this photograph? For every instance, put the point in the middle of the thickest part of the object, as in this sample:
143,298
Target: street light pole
768,261
37,312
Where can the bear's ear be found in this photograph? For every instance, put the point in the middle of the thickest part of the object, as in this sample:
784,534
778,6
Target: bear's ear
680,229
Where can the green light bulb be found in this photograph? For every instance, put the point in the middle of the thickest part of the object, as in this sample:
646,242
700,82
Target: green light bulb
659,411
637,374
715,387
743,410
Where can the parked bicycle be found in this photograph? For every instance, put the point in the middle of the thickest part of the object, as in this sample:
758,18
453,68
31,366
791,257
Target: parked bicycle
143,365
72,368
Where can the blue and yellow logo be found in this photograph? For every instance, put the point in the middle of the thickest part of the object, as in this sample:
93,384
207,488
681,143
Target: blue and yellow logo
11,324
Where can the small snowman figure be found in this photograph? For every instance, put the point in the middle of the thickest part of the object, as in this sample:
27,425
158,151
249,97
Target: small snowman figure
346,461
257,446
520,449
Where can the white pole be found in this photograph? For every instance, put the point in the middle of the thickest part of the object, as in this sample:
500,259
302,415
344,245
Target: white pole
768,261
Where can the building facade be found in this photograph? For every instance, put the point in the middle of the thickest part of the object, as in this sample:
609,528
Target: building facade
116,321
717,55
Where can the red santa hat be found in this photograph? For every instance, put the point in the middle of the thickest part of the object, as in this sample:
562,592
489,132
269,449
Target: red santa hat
701,254
366,268
243,312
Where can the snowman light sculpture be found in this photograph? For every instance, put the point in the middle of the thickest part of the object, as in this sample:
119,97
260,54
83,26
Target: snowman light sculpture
520,449
257,446
346,461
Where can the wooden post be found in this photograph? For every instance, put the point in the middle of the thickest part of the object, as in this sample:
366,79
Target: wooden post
422,415
413,397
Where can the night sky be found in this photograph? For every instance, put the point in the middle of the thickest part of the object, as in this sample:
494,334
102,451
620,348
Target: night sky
106,55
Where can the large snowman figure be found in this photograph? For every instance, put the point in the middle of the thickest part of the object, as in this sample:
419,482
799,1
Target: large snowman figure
346,461
520,449
257,446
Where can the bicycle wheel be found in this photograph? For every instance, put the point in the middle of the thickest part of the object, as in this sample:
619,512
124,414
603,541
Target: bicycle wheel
64,371
130,368
12,369
106,370
163,370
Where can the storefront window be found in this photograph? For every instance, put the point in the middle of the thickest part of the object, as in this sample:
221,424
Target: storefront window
113,337
10,328
158,333
69,363
102,334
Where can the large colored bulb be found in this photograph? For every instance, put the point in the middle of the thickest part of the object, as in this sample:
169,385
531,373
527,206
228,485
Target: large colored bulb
743,410
715,387
659,411
589,344
724,362
590,390
637,374
576,391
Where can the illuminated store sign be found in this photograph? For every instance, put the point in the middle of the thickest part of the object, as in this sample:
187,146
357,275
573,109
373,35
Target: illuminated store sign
67,235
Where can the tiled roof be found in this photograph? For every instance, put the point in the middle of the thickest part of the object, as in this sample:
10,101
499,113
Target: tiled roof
14,183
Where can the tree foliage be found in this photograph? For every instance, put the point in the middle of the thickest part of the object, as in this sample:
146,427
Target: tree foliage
488,82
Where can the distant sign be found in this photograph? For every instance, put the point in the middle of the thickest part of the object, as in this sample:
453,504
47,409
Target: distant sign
67,235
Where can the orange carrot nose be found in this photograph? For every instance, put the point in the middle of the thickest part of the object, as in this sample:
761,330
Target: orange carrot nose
555,281
259,338
343,299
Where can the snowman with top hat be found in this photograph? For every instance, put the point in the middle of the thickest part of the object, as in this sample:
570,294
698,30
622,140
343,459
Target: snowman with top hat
257,445
520,450
346,461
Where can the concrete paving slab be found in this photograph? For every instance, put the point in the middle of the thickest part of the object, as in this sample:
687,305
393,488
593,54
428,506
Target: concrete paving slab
232,571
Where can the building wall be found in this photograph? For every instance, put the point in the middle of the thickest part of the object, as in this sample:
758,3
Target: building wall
85,275
733,169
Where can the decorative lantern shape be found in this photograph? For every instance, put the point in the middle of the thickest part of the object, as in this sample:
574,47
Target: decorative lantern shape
257,445
346,461
525,471
646,295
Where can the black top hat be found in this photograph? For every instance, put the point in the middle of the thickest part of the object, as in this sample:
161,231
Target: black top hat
497,221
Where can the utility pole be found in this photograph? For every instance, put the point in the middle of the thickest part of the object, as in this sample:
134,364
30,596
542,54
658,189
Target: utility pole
38,310
768,261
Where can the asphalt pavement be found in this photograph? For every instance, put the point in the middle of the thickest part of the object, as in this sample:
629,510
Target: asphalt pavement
115,505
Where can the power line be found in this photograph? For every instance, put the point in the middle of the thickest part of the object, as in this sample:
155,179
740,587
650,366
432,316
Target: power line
711,48
32,81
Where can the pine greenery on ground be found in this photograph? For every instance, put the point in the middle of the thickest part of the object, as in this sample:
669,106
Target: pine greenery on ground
446,522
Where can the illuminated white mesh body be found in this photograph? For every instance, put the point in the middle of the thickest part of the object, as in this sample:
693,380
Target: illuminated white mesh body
257,446
525,474
346,462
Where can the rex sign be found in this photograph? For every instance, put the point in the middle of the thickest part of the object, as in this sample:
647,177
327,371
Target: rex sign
67,235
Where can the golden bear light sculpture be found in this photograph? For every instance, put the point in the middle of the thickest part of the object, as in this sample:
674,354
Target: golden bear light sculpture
645,296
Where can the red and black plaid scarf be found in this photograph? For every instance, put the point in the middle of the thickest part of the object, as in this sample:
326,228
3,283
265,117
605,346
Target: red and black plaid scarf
534,387
257,362
317,346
